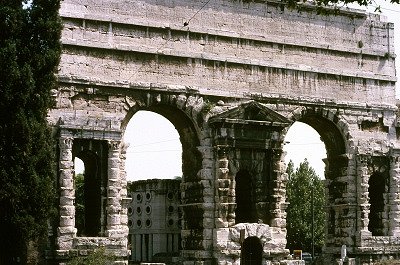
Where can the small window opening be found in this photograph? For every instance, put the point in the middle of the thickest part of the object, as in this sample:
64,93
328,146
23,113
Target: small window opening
331,227
90,162
148,222
376,192
245,205
79,195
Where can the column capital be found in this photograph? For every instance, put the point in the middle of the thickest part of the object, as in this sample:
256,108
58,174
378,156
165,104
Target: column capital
114,145
395,159
124,147
222,150
66,142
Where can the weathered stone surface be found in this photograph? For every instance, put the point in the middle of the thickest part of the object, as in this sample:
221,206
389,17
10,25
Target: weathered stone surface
232,88
64,242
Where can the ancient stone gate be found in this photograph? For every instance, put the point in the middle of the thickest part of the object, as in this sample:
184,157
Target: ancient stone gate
232,76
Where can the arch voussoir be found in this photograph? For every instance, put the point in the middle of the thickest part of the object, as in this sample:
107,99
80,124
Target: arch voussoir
232,88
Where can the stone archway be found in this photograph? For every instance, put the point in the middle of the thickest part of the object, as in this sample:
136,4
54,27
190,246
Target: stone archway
193,192
251,253
89,207
230,109
333,132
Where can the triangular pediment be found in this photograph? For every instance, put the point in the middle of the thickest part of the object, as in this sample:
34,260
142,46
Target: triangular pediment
251,113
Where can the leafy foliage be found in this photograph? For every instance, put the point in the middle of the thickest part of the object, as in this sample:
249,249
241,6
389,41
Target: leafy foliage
29,54
304,188
80,203
388,262
97,257
329,6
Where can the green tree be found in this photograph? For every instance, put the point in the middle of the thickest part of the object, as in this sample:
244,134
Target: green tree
80,203
332,4
29,55
304,190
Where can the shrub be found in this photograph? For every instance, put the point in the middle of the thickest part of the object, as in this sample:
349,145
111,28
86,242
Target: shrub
96,257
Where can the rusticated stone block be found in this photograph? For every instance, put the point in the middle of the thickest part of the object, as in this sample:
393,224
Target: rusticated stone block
67,200
67,210
64,242
66,221
232,87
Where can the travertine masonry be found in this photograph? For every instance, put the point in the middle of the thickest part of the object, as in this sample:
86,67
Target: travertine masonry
232,76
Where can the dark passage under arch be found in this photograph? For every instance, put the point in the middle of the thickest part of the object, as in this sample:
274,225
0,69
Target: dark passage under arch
90,192
251,251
